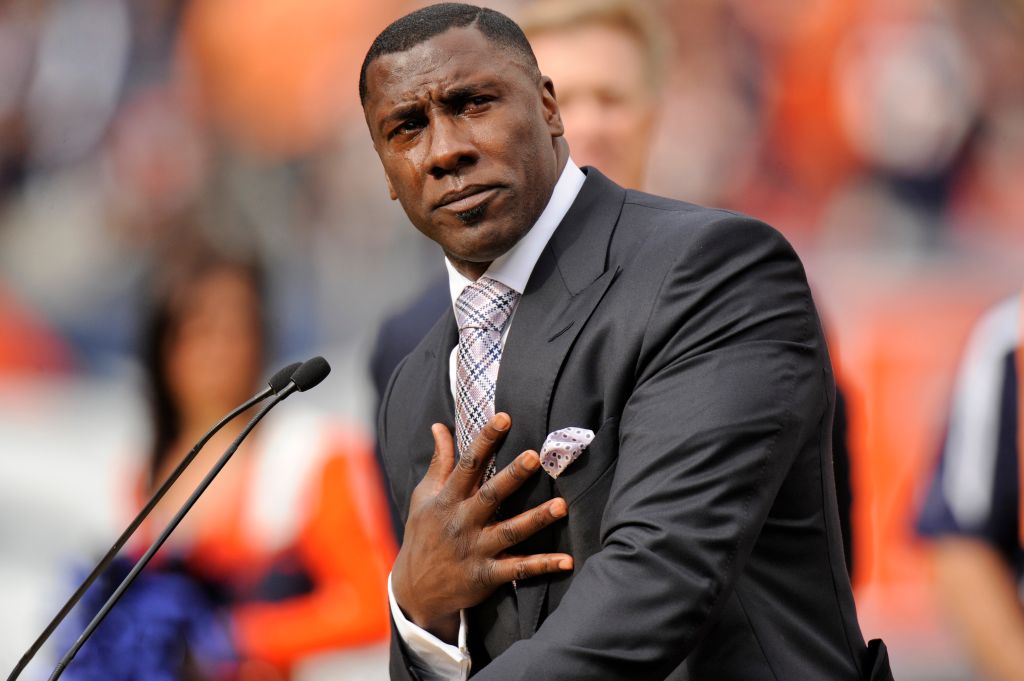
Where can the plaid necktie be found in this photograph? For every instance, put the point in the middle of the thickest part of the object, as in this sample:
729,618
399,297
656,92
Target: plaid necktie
482,311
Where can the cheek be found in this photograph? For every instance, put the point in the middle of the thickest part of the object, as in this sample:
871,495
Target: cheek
187,371
217,361
526,143
582,117
406,186
402,170
642,120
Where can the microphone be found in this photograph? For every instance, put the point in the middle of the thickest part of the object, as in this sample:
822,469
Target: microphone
280,380
277,383
310,374
307,376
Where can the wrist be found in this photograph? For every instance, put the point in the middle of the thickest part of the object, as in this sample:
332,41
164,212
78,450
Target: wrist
443,625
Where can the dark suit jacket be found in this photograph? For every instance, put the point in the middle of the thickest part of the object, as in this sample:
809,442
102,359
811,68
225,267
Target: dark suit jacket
702,518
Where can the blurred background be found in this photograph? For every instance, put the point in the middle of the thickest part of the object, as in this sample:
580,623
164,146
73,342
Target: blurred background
885,138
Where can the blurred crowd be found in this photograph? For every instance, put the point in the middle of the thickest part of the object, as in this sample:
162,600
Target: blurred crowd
884,138
877,127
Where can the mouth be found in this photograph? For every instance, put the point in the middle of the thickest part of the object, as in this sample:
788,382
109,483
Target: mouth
467,199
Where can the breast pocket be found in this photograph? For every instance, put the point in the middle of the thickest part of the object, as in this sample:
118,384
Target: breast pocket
596,462
585,487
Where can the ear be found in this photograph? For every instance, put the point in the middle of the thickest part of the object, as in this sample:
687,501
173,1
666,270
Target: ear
550,104
391,189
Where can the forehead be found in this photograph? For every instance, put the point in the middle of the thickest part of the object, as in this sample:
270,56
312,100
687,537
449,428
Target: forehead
456,57
592,54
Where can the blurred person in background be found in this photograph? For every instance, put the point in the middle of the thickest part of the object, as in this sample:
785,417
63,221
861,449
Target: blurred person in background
608,58
973,515
289,548
906,98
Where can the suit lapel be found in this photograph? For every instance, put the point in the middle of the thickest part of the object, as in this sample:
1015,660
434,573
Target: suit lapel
428,366
567,284
438,352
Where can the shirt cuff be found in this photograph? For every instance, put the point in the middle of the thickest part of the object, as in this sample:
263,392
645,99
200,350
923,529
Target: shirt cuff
434,659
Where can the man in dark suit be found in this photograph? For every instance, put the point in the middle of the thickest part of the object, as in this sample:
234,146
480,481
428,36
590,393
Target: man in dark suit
698,527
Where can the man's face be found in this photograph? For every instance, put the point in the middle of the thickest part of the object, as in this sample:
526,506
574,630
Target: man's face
467,136
604,97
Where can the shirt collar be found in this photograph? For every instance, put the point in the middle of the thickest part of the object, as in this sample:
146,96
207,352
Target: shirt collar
514,267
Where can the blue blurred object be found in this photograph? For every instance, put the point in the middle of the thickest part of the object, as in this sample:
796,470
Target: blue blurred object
168,626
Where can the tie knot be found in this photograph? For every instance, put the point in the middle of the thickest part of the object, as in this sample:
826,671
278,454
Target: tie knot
485,304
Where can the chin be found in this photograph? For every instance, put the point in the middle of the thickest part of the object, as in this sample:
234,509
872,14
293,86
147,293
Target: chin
483,255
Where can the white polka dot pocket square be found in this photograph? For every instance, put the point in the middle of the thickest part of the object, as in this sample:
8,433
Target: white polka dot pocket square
562,447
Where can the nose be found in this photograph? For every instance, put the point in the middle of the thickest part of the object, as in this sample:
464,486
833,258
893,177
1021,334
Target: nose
451,148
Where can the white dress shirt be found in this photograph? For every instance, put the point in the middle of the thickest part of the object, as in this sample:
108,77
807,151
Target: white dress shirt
434,659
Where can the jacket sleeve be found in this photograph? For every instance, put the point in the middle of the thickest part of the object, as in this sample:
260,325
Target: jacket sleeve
731,384
400,664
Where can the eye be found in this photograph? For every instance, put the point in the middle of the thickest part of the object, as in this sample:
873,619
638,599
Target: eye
408,126
477,102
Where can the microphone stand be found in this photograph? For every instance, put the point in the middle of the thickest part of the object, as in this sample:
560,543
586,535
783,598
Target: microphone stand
281,376
144,560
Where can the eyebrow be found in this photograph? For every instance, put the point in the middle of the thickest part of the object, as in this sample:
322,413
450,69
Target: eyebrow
449,96
402,112
461,92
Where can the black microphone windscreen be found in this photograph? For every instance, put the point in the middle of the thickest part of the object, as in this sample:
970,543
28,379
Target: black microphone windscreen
279,380
311,373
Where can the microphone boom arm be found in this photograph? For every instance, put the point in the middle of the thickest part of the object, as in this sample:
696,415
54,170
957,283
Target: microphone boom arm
277,383
171,526
120,541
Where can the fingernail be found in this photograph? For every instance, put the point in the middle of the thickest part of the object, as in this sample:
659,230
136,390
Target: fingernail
531,463
501,421
565,564
558,508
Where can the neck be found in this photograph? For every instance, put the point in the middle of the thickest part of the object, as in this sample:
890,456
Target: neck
470,270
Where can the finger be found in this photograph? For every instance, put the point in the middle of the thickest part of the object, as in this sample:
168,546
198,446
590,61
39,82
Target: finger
443,458
504,483
507,533
518,568
470,465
